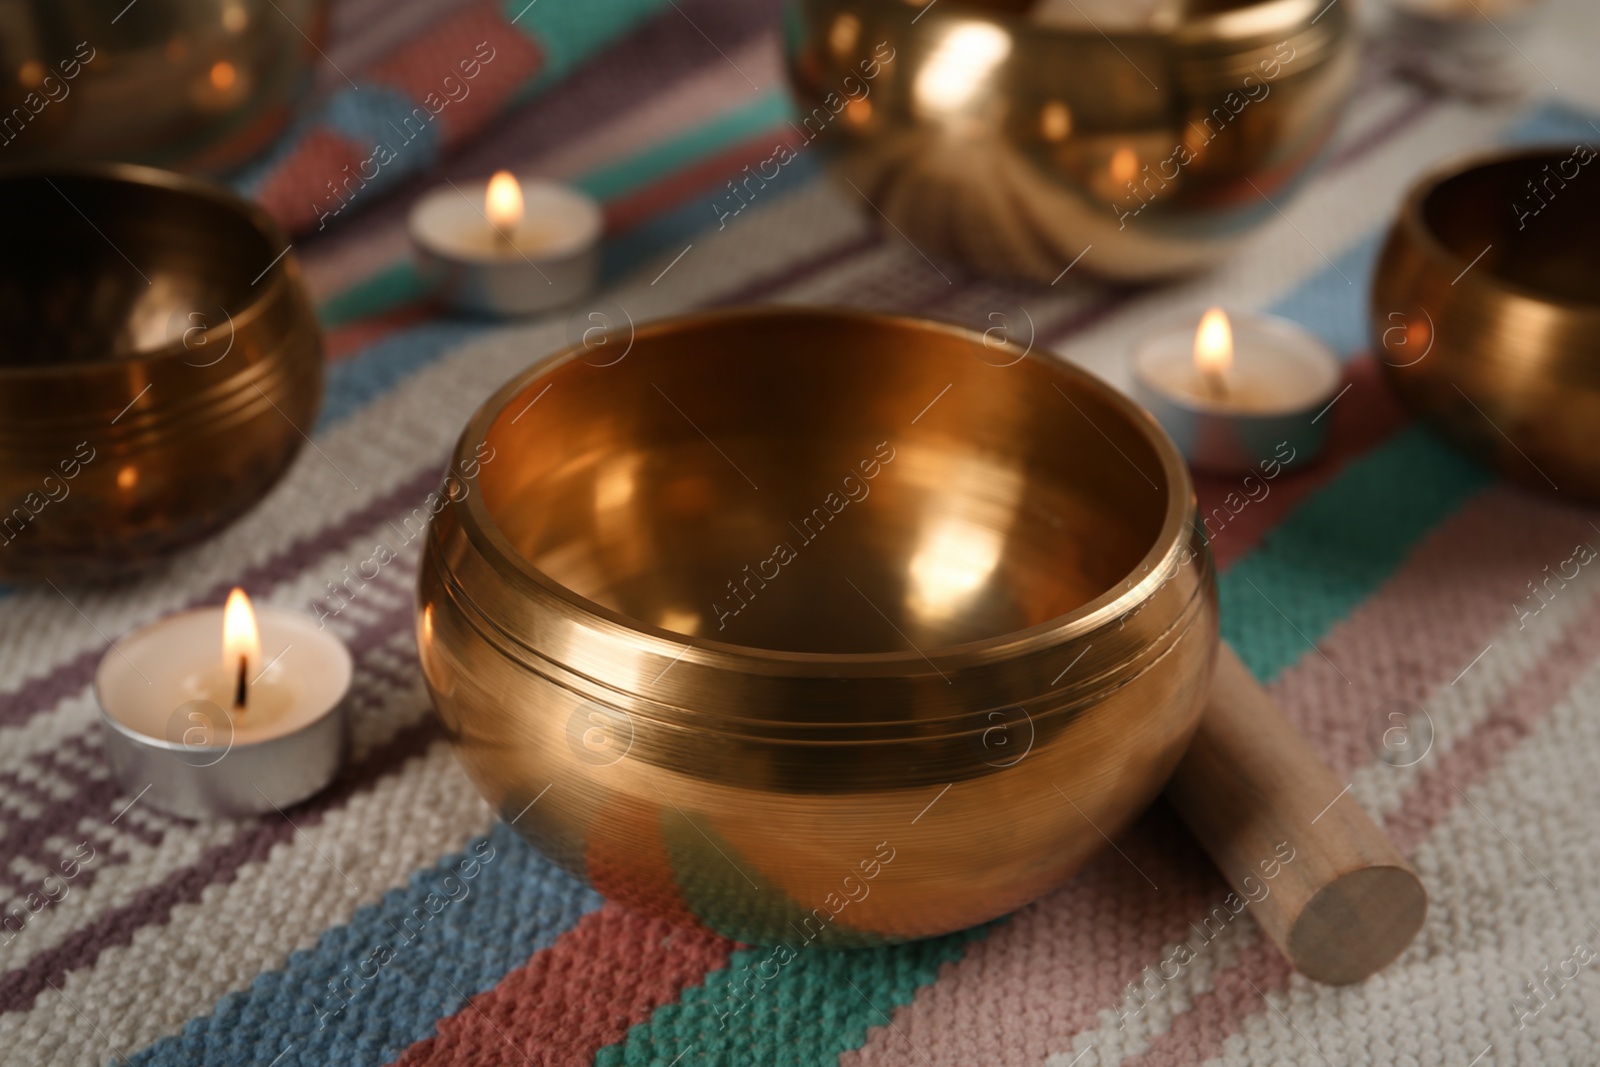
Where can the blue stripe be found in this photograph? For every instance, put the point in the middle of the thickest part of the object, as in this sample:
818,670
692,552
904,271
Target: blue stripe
354,383
515,904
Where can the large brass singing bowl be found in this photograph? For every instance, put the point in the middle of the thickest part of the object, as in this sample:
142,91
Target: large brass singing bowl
1015,148
191,84
1485,311
816,627
159,362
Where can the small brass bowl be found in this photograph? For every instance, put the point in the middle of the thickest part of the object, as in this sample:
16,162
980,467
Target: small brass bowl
1014,147
1485,311
159,361
189,84
816,626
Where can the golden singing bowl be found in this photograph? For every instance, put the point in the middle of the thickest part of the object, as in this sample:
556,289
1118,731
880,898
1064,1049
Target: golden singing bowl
816,626
193,84
1012,147
1486,311
159,361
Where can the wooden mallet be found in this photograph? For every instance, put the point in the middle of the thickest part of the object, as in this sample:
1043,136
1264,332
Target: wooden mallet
1348,903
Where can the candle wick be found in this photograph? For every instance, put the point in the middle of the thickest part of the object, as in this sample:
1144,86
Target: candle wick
1216,384
241,691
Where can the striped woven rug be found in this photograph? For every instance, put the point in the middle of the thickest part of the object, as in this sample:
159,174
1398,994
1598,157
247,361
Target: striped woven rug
1389,571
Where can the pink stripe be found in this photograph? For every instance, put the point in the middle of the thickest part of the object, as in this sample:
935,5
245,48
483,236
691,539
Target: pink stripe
1410,638
1512,718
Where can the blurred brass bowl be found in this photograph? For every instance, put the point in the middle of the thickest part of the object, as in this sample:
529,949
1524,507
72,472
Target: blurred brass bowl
1485,311
158,362
1013,147
960,631
190,84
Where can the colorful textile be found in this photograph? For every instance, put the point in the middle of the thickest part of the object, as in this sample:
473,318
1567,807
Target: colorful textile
1391,570
396,115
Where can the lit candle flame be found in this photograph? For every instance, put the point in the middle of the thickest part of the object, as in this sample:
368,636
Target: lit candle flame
502,203
241,640
1213,350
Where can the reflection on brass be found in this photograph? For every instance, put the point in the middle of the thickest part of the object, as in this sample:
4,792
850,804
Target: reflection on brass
814,626
1486,311
1012,147
192,84
159,361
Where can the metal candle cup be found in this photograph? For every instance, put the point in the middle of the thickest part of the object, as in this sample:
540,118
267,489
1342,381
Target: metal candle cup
982,643
547,256
172,738
1281,381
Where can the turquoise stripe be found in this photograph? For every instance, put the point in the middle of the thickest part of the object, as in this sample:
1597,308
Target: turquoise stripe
569,33
516,904
386,290
674,229
1339,547
817,1005
727,129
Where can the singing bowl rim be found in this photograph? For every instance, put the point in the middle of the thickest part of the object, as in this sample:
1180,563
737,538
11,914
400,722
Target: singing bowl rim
530,581
277,280
1412,225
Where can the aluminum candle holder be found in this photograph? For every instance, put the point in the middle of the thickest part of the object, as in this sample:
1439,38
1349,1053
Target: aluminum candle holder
816,625
1485,311
159,364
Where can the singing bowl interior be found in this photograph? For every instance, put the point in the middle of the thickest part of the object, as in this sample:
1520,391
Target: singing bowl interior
93,267
1486,311
750,597
158,359
1539,232
1003,513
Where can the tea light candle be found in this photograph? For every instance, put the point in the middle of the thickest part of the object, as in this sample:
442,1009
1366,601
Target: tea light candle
505,247
1232,393
225,711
